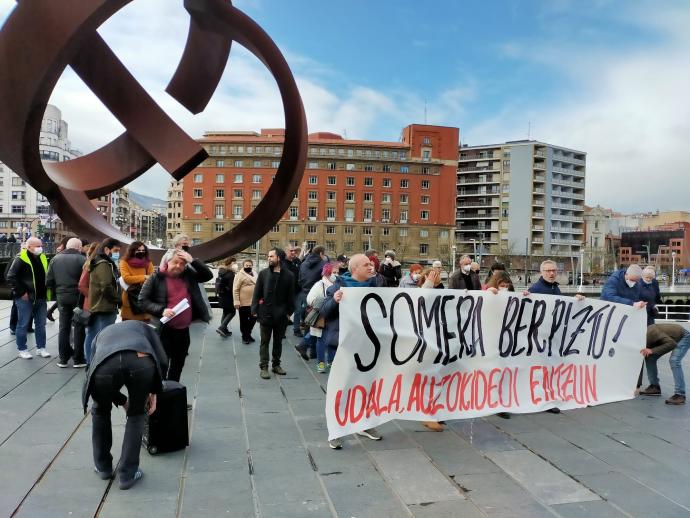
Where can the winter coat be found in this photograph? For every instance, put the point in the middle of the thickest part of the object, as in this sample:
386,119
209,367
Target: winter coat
662,338
243,288
458,281
293,267
331,308
21,278
392,273
154,294
310,271
126,336
316,297
104,293
617,290
64,272
407,282
543,287
133,276
273,300
224,282
651,294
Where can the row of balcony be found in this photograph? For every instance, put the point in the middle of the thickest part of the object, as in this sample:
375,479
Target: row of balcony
480,180
568,206
474,169
570,195
490,215
573,172
568,183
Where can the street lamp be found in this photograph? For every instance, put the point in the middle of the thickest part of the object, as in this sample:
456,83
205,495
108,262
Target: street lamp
582,275
673,271
474,249
454,249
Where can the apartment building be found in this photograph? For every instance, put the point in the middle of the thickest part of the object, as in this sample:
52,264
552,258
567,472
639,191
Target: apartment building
355,194
521,198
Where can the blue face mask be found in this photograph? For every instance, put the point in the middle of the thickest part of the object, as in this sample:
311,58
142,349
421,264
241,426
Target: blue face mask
115,256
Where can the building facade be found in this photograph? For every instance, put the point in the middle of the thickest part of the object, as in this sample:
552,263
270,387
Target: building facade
660,247
521,200
23,210
354,195
602,240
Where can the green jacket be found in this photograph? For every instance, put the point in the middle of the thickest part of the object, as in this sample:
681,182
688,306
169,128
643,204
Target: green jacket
662,338
104,295
22,278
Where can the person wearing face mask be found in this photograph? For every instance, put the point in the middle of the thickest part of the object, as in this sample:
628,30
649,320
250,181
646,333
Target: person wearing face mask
500,282
135,268
26,277
242,293
391,269
462,278
224,282
103,292
650,293
623,287
315,298
411,279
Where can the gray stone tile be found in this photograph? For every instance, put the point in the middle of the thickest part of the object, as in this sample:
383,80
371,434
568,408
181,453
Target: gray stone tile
484,436
217,494
497,493
672,456
541,479
414,477
598,509
463,508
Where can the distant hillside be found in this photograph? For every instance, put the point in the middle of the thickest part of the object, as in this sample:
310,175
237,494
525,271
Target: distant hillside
146,202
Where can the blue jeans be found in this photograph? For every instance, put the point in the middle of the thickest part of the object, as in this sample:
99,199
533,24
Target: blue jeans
322,350
676,361
25,310
300,301
97,323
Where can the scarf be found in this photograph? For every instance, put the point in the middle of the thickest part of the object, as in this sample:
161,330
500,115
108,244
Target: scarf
136,262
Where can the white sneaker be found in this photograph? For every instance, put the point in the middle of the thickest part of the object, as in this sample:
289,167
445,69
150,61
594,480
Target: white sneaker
43,353
26,355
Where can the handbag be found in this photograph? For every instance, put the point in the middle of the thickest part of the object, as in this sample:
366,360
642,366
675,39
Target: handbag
133,298
313,316
81,316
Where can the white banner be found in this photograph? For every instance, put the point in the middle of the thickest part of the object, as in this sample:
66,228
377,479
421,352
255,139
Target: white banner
430,355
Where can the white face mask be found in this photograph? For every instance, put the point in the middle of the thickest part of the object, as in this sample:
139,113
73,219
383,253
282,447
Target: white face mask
467,268
415,277
38,250
646,281
630,283
389,260
332,277
503,288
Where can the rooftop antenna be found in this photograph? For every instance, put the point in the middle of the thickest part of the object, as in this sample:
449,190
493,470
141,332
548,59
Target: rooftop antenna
345,133
529,130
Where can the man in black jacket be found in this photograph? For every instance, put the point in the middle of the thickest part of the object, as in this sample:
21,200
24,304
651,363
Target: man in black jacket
177,280
292,263
64,272
124,354
463,278
274,300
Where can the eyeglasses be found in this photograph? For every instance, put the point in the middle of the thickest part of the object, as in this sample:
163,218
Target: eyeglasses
550,271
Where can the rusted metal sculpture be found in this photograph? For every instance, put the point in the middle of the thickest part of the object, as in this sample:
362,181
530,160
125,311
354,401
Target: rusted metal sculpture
42,37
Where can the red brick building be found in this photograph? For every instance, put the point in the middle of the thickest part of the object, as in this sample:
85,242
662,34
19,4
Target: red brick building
355,194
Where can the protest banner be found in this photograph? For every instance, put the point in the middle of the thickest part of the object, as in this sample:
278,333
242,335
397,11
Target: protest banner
426,354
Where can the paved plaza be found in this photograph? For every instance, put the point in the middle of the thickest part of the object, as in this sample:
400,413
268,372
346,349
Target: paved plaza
258,448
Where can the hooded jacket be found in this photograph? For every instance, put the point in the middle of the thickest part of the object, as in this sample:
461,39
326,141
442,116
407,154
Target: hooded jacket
392,273
104,295
616,289
21,277
310,272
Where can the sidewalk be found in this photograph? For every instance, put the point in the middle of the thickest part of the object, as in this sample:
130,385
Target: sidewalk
258,448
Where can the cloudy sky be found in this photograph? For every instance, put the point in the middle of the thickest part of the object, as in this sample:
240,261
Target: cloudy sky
606,77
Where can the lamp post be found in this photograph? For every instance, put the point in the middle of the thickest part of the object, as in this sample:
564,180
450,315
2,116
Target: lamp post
454,249
582,275
673,271
474,249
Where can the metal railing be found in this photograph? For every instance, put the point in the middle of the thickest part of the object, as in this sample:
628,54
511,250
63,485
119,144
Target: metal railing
12,249
673,312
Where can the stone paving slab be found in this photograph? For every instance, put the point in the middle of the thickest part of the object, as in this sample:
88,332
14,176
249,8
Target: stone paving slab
258,449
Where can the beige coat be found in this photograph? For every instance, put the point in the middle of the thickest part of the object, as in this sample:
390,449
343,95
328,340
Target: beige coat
243,288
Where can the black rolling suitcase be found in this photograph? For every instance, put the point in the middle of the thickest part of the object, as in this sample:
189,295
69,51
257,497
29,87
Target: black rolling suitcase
166,429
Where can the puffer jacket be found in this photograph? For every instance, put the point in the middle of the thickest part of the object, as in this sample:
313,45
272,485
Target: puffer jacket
616,289
64,272
392,273
310,272
20,276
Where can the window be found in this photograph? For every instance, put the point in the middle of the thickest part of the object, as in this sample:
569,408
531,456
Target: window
387,182
368,181
367,231
19,195
425,200
403,216
294,212
425,184
17,209
219,211
256,194
198,193
238,163
349,214
220,178
368,197
350,181
330,195
276,228
197,227
198,178
385,215
368,214
443,234
404,184
386,168
404,169
292,229
404,198
349,246
256,178
402,232
385,197
220,163
330,213
350,196
220,193
331,166
312,180
330,229
426,155
237,193
427,142
197,209
423,249
239,178
330,245
348,229
257,163
403,155
237,212
424,214
313,165
426,170
331,180
311,229
312,195
311,211
423,232
368,167
349,167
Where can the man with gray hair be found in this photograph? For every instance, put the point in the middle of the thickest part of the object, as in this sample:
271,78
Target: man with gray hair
64,272
179,242
650,293
27,279
623,287
463,278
